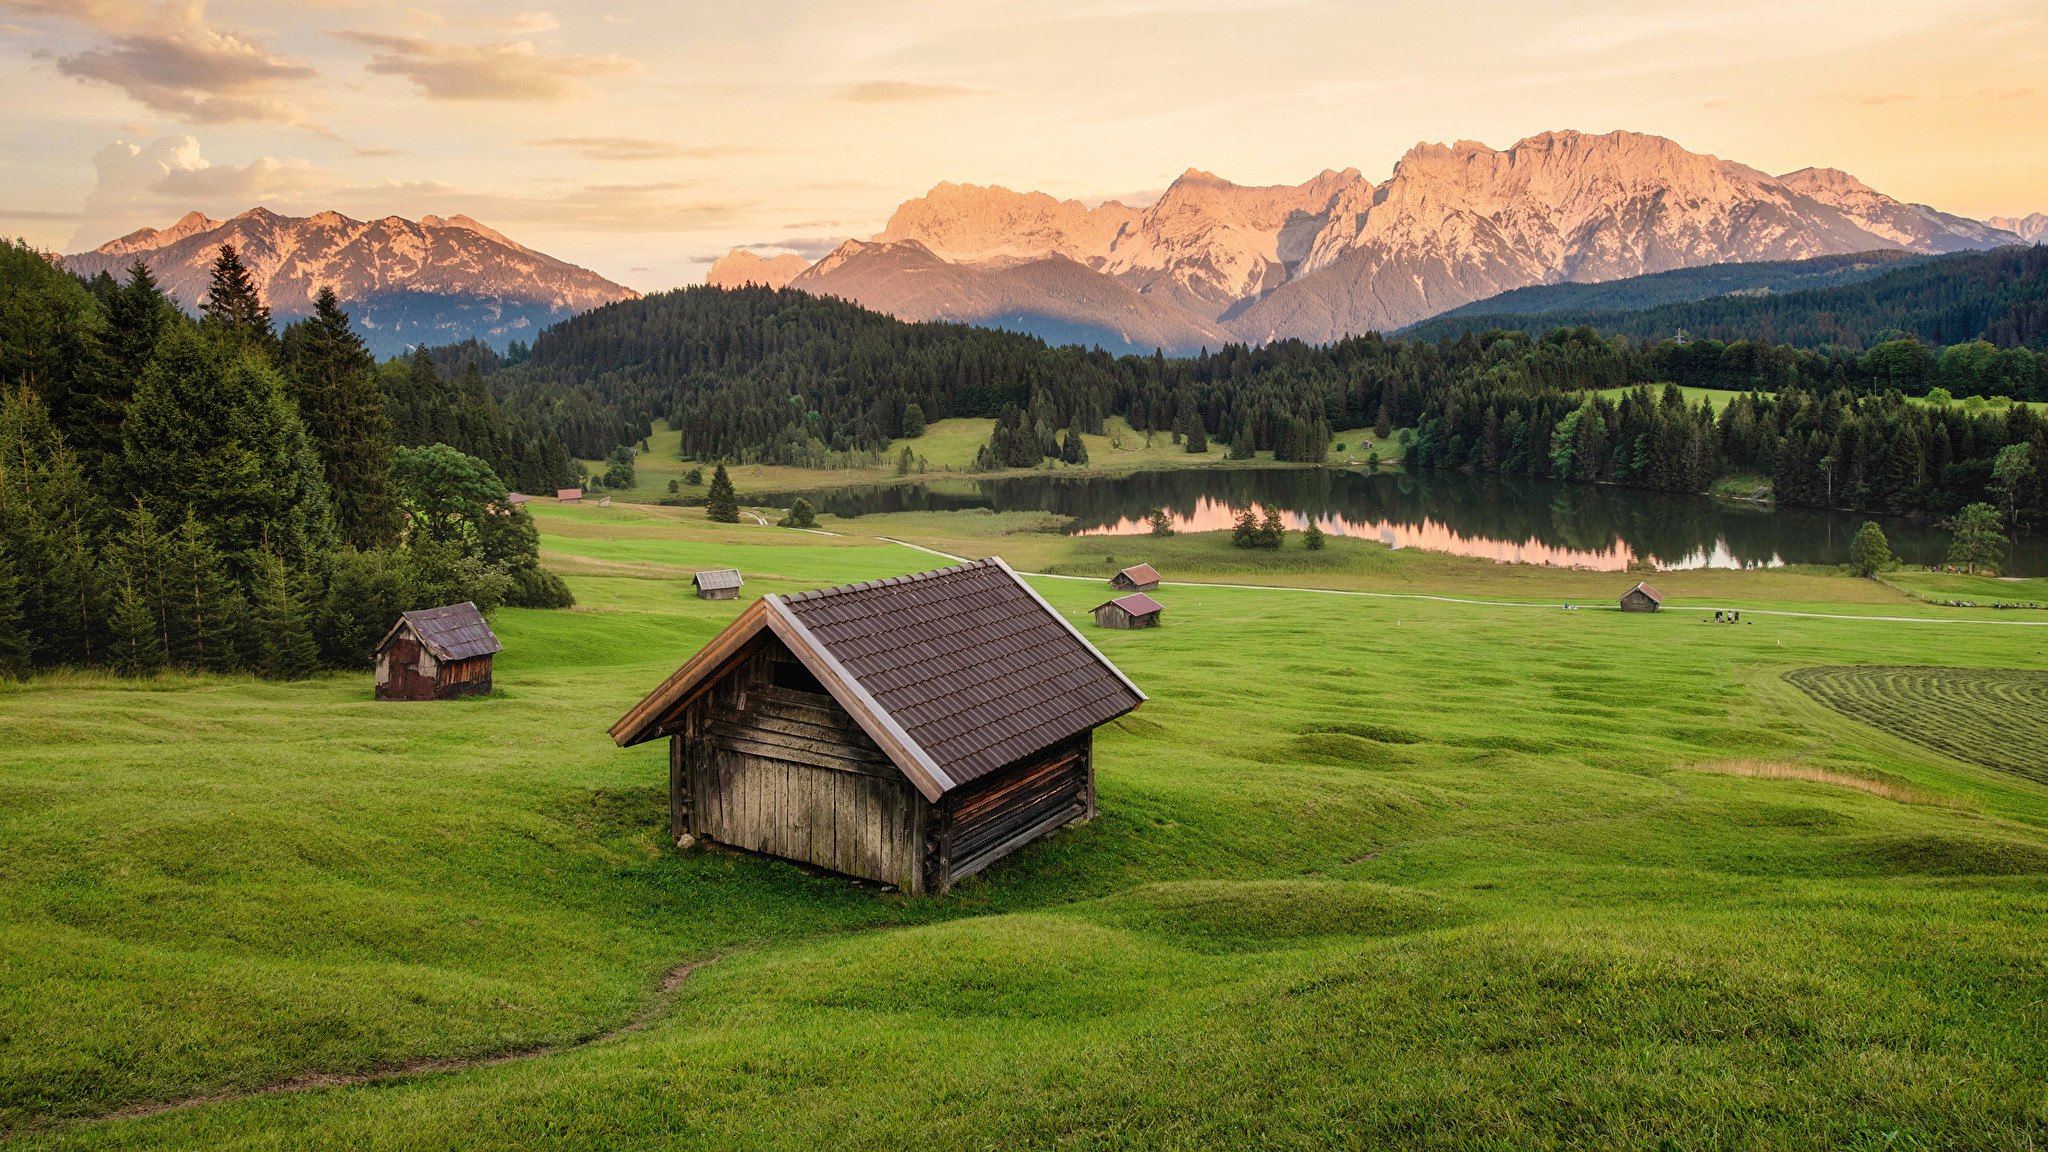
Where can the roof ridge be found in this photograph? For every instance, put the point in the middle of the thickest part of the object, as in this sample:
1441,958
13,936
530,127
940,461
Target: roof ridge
865,585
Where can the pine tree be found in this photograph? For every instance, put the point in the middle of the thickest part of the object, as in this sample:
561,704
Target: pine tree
17,646
722,503
1384,427
1245,534
1312,537
234,316
332,377
208,613
138,646
913,421
1197,438
284,628
1272,530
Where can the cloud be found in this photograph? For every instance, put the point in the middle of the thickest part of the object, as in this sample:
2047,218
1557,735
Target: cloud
15,30
611,19
904,92
636,148
512,72
150,184
169,59
612,147
525,22
38,214
808,247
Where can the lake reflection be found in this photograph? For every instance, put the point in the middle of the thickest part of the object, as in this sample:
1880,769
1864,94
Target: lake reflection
1508,519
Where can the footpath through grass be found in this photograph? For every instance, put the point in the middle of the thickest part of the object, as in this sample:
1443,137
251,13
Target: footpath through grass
1369,873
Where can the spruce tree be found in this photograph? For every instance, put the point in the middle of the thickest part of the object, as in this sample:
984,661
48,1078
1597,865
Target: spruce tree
283,625
1197,437
1245,534
1273,529
138,646
332,377
1385,425
1312,537
913,421
234,316
207,610
722,503
17,646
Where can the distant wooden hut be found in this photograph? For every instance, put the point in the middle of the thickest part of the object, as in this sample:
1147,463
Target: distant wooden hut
1641,598
912,730
515,499
605,503
437,654
569,495
1139,578
718,584
1134,611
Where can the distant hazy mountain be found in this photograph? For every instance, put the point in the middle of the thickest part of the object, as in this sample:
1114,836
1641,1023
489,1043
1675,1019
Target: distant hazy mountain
739,268
1756,279
436,281
1340,255
1056,298
2033,229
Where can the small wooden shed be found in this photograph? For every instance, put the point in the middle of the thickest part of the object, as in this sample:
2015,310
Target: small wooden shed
912,730
718,584
1139,578
569,495
1134,611
437,654
1641,598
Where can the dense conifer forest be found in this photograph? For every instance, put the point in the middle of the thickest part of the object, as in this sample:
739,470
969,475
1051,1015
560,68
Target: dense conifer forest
223,496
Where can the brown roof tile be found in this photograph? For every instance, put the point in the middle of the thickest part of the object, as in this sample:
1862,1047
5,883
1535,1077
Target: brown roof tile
972,664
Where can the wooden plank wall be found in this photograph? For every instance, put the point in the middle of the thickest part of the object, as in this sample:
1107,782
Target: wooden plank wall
789,773
994,816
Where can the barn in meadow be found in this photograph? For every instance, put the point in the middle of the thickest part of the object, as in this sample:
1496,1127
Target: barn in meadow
437,654
912,730
1134,611
569,495
1137,578
718,584
1641,598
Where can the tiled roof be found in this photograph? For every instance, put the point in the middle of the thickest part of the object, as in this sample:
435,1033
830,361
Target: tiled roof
1137,604
568,493
455,632
1140,574
974,667
718,578
1651,592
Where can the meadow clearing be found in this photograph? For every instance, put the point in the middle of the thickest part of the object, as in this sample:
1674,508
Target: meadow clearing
1372,870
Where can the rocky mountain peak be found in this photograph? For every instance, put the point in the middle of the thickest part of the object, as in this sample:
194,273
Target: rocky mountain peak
739,268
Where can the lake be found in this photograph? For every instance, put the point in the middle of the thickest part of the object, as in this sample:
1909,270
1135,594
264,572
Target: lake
1533,521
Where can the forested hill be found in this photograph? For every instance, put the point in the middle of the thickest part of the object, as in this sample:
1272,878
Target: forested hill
1631,293
1999,296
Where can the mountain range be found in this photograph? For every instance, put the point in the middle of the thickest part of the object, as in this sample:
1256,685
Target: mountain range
1212,262
404,282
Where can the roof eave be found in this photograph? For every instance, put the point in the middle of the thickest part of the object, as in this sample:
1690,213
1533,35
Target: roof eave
637,724
1072,631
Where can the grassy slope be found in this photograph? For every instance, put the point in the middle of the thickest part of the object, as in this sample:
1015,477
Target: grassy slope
1494,912
948,446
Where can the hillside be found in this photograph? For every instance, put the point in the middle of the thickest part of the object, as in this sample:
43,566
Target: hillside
1999,296
404,283
1636,292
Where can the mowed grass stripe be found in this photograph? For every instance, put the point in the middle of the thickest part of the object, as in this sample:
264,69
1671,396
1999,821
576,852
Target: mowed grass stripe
1988,716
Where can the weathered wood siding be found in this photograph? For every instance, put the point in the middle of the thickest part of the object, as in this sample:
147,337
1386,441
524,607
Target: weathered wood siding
769,763
987,819
1636,600
718,593
1111,616
471,677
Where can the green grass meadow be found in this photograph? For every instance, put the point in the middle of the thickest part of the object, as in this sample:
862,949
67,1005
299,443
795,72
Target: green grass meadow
1369,873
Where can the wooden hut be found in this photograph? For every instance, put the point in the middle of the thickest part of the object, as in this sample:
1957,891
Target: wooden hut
1641,598
437,654
1134,611
912,730
718,584
569,495
605,503
1140,578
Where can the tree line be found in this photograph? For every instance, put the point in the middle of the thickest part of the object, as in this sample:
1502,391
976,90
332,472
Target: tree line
216,494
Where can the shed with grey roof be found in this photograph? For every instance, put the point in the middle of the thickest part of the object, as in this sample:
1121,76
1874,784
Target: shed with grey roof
911,731
718,584
437,654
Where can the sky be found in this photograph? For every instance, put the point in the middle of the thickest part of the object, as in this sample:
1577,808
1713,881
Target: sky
643,139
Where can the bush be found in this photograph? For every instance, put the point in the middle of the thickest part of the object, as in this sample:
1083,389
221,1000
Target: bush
1312,537
538,588
801,515
675,486
1162,524
694,477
